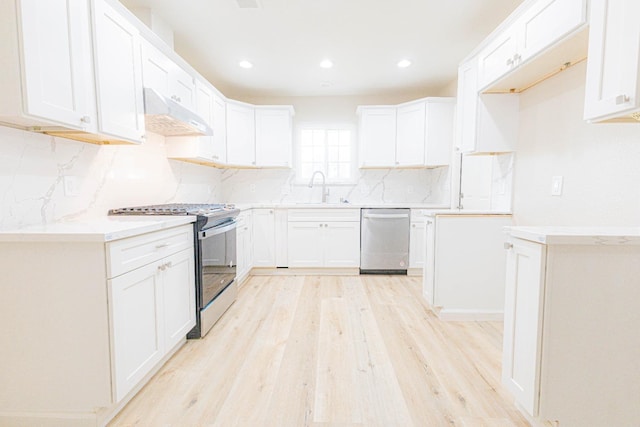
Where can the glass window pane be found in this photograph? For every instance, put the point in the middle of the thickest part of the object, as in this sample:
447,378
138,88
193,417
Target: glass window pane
345,170
345,154
345,138
334,154
318,167
306,137
333,170
318,138
318,154
306,154
333,137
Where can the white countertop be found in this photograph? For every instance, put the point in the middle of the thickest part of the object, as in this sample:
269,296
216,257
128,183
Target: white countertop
578,235
428,208
103,229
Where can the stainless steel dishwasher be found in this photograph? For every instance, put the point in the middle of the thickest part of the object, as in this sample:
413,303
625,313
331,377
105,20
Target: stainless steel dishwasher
384,241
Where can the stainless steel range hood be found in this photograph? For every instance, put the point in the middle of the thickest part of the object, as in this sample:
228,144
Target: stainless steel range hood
166,117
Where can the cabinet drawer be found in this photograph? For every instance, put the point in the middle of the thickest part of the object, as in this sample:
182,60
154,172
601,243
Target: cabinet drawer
324,214
128,254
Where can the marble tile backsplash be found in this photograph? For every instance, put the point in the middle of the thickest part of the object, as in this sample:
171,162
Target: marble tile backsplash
372,186
35,168
44,179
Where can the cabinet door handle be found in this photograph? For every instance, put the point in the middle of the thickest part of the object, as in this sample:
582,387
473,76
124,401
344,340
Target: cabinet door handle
508,245
622,99
509,62
86,119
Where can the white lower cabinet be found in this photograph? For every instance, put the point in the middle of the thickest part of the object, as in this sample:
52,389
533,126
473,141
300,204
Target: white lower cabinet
417,236
152,309
244,245
464,270
91,324
324,238
264,238
570,346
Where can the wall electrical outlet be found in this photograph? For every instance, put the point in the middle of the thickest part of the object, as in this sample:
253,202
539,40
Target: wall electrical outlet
410,189
71,188
556,185
252,188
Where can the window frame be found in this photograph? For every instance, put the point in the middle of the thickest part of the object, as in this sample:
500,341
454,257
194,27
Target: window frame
326,126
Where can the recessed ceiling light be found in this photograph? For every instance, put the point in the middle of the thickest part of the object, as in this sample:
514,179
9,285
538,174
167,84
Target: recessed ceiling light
245,64
326,63
404,63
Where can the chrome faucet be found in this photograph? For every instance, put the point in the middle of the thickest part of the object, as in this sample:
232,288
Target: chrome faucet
325,190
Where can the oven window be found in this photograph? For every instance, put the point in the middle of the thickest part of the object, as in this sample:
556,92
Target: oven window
218,264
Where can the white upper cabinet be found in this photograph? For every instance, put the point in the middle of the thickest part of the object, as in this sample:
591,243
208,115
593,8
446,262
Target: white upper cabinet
118,74
208,150
377,130
543,31
47,75
613,67
440,123
241,136
415,134
159,72
273,136
486,123
219,129
410,134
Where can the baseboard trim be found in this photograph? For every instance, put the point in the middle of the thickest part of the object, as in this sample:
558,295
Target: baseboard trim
328,271
470,315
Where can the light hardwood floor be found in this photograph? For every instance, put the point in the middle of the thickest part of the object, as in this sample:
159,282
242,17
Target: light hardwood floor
331,351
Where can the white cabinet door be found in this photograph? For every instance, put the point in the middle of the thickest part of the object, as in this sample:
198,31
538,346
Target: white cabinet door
178,295
377,136
613,65
341,244
264,238
183,88
428,283
273,137
240,135
205,109
219,129
159,72
547,22
244,244
499,57
305,244
410,134
56,53
417,246
136,320
523,322
156,69
118,74
440,115
467,105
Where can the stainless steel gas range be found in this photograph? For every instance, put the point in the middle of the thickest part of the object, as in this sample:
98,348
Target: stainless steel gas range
215,256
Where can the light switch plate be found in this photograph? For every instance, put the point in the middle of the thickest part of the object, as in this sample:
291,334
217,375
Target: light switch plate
70,185
556,185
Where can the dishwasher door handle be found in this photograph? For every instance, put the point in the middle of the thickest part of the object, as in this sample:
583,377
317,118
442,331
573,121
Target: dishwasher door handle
385,216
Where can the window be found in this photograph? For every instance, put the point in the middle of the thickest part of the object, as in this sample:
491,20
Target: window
329,150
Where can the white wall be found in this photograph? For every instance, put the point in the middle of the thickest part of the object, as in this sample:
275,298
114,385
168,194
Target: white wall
371,186
600,163
32,167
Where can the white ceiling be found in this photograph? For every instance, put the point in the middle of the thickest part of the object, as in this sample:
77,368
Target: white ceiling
287,39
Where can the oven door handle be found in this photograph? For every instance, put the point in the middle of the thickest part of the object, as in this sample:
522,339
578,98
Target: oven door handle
214,231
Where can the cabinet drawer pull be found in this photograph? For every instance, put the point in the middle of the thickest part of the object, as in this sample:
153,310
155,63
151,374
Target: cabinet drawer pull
509,62
622,99
162,245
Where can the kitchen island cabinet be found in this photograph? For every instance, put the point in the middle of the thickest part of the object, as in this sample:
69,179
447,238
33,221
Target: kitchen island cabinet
464,267
571,351
90,315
